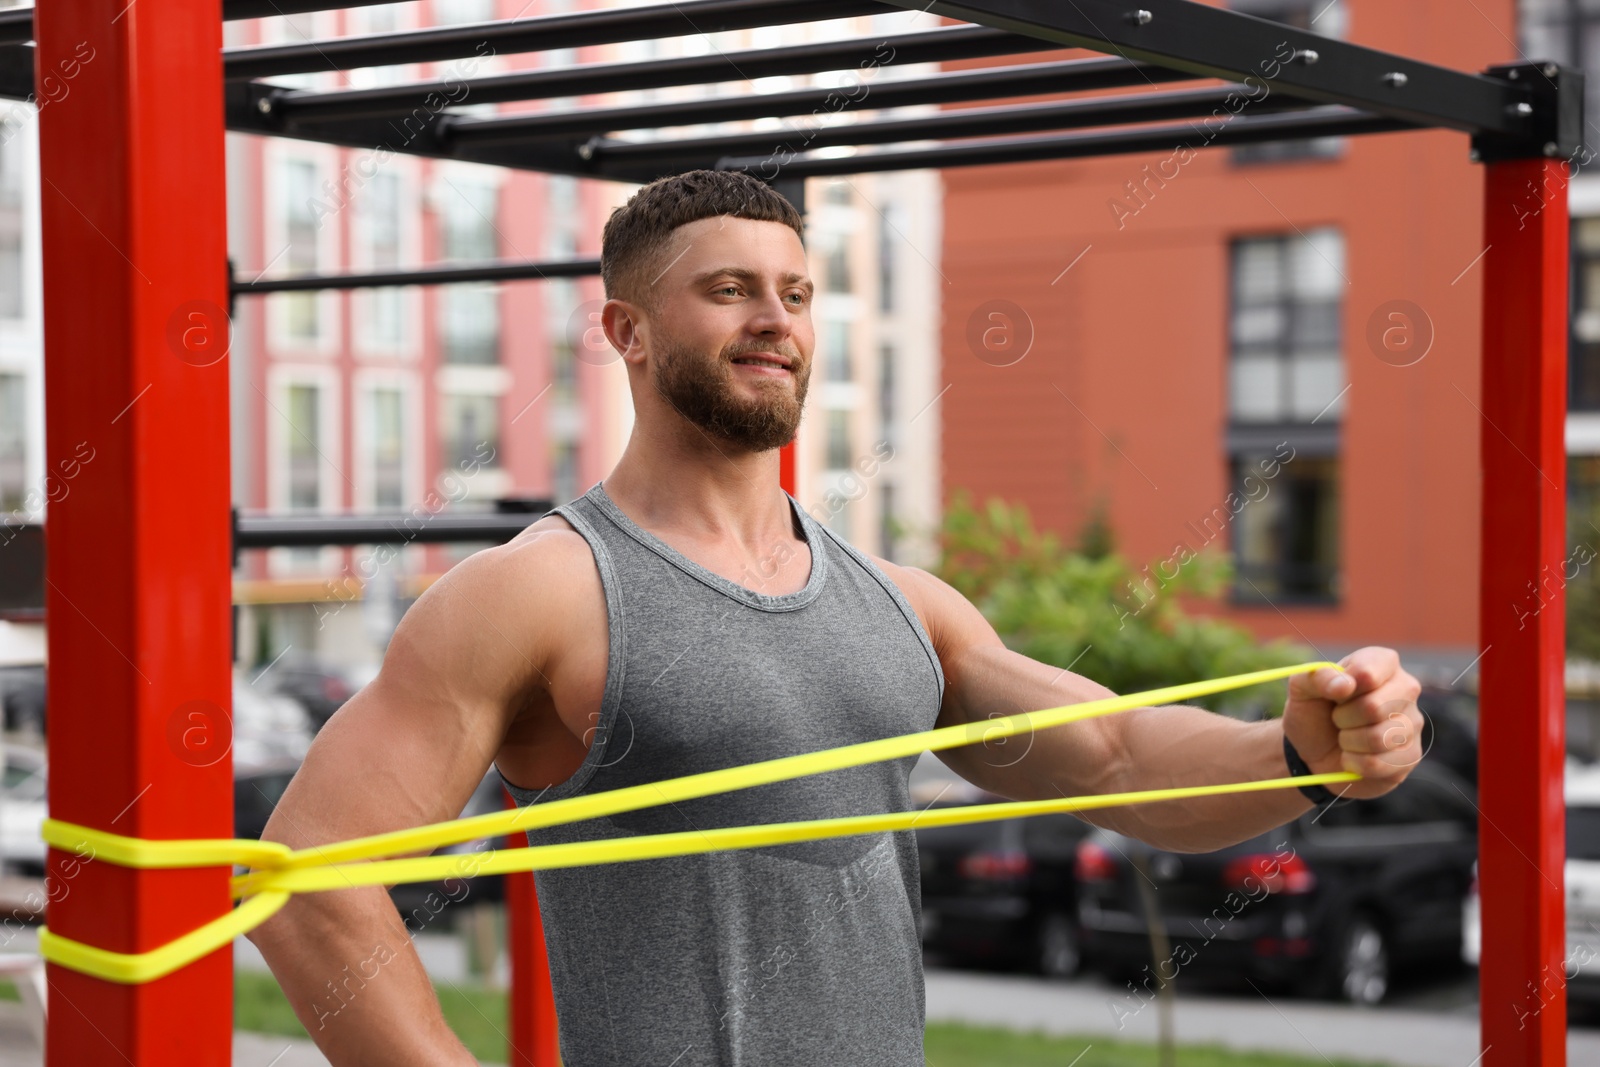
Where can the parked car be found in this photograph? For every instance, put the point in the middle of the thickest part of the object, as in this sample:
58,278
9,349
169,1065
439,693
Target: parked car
1332,904
256,791
268,727
320,689
1582,876
1003,891
22,699
22,810
1450,729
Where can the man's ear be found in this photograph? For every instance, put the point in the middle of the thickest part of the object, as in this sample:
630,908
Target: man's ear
625,328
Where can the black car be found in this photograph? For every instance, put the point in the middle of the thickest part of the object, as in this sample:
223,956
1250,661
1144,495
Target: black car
22,706
1003,891
1332,904
257,790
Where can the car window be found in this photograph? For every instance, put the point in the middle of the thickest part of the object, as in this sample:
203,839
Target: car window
968,836
255,797
1053,835
1422,798
1583,833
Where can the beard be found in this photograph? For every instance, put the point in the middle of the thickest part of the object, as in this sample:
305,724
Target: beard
701,389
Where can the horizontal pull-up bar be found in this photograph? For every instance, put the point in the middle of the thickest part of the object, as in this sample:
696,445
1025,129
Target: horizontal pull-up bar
1214,42
962,122
544,33
1028,79
930,46
445,275
1176,139
268,530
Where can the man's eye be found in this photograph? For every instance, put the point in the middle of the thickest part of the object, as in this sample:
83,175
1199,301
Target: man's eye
729,289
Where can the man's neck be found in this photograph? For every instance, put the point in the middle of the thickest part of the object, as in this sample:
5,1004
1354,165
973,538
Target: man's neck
701,489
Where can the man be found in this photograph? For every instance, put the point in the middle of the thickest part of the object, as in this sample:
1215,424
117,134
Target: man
686,614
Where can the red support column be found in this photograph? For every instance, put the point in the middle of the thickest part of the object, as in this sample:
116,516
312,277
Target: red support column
531,1006
1522,723
138,575
787,476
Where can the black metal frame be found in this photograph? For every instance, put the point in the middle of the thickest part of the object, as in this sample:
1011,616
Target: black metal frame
1286,84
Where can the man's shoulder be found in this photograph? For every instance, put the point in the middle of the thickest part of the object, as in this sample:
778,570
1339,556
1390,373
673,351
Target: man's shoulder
951,621
543,574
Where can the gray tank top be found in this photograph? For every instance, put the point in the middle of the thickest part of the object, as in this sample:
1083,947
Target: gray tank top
801,954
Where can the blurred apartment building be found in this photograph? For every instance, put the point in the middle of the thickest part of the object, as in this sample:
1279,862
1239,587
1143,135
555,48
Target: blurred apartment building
408,399
1270,352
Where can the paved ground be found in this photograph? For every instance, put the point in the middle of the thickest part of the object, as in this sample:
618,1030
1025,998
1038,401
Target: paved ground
1404,1036
1429,1024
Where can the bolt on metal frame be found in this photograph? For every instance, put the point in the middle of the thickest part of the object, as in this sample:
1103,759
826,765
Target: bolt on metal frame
134,274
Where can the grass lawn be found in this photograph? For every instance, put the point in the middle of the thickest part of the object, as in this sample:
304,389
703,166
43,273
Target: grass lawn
478,1018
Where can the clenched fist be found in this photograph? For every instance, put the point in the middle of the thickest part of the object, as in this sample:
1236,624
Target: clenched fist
1362,719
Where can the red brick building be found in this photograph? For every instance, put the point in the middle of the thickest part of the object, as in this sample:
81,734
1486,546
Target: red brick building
1298,328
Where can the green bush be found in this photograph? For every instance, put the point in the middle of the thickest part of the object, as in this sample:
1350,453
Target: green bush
1087,608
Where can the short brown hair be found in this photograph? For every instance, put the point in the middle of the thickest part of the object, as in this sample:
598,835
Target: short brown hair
636,235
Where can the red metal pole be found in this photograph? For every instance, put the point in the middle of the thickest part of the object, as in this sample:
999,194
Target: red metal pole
1522,734
138,573
531,1005
786,468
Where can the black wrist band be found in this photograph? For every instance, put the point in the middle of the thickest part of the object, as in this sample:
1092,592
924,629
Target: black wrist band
1317,794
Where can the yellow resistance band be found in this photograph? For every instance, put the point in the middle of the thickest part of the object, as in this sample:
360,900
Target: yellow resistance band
279,872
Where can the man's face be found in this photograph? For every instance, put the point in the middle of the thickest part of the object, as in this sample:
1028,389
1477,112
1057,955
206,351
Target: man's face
731,340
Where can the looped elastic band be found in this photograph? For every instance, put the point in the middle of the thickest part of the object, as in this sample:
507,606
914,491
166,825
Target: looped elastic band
278,872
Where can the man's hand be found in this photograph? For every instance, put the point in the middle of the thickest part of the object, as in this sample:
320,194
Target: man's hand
1363,719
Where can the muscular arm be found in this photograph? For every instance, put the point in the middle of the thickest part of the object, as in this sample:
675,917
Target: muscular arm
1363,720
408,750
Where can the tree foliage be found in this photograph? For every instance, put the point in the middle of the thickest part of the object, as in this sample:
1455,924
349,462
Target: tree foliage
1087,608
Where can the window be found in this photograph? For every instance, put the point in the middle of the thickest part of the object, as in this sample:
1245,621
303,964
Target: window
561,191
453,12
1567,31
301,192
1286,539
888,234
13,442
561,302
1583,392
1583,496
304,447
839,451
469,313
471,426
1288,300
836,263
887,521
837,356
382,310
1325,17
1285,404
563,471
11,227
386,420
1433,799
886,392
378,18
